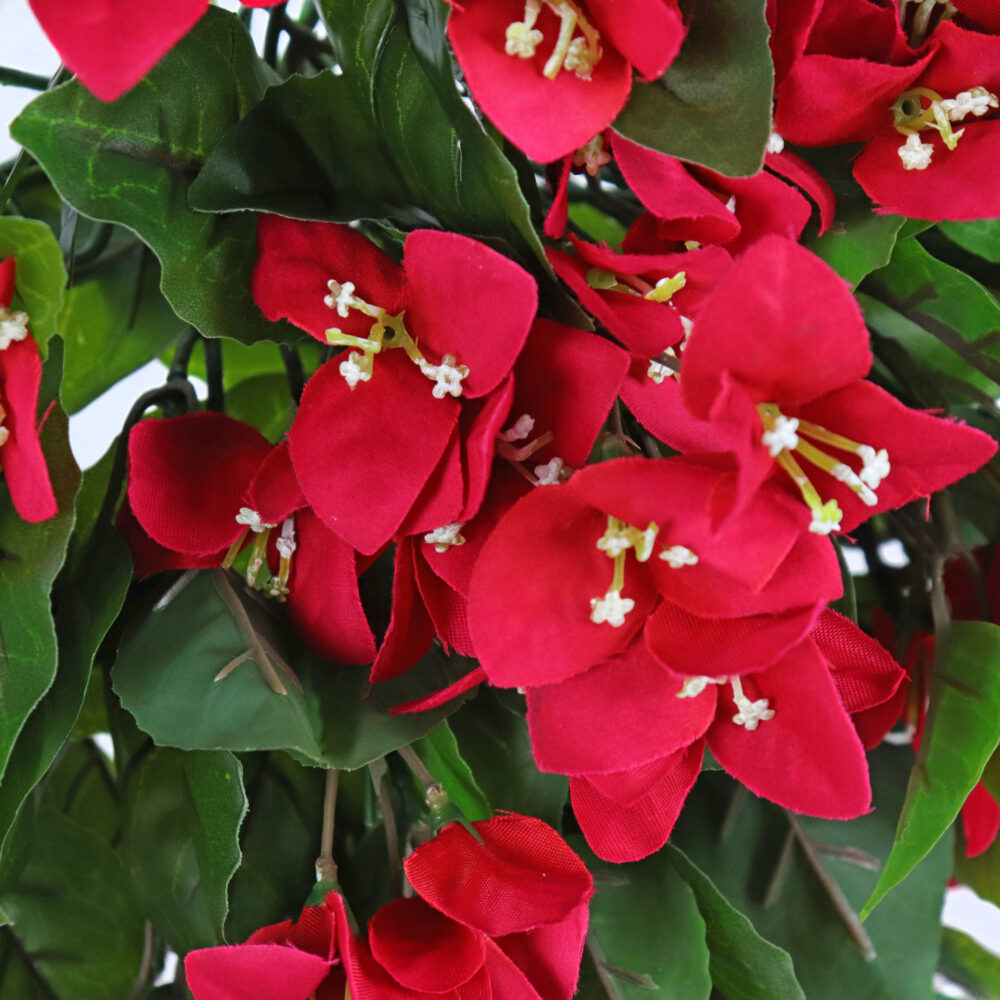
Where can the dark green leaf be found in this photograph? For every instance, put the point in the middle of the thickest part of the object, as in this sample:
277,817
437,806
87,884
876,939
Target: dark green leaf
41,276
494,742
441,756
981,237
181,841
963,730
75,931
164,676
713,106
859,241
744,849
114,321
646,934
132,161
968,963
744,965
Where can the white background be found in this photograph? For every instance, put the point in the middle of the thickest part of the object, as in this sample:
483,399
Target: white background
24,46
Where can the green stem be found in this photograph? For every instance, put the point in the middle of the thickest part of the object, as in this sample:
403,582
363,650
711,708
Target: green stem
213,372
10,77
326,867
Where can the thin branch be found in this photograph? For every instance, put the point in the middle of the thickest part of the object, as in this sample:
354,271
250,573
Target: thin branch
377,772
326,867
146,967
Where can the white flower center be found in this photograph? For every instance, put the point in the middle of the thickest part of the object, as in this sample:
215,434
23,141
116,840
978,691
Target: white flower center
781,435
252,520
13,327
611,608
678,556
445,537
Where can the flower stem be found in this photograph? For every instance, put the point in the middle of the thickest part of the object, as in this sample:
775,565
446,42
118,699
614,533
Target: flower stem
377,770
326,867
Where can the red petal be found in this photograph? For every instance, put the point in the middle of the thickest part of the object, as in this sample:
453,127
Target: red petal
323,600
363,456
8,269
805,177
274,491
410,632
529,602
628,832
421,948
251,971
295,260
478,427
618,715
549,956
980,820
507,981
442,697
558,215
447,608
778,305
469,301
21,456
545,118
440,501
807,757
187,477
648,33
983,12
112,44
690,645
523,875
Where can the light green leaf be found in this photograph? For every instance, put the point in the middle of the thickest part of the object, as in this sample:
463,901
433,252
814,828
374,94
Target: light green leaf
40,277
963,730
981,237
713,105
966,962
440,754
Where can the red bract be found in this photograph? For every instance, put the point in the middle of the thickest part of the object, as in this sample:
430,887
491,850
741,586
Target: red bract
551,74
21,457
385,440
555,590
784,732
112,44
287,961
773,372
201,484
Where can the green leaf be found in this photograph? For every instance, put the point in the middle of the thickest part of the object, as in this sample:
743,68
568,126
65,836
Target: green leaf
75,931
133,160
114,321
859,241
963,730
748,848
30,557
981,237
40,277
265,402
493,740
164,677
744,965
646,934
379,141
279,840
968,963
181,841
713,105
441,756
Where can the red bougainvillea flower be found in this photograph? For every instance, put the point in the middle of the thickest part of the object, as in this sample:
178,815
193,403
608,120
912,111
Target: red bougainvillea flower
112,44
202,485
574,572
784,732
551,74
982,13
381,443
287,961
523,888
773,372
21,457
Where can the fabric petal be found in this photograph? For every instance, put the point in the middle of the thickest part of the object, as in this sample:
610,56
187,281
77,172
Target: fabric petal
808,757
274,492
363,456
648,33
8,270
980,820
187,477
507,981
250,971
478,427
545,118
523,875
296,259
808,179
629,832
442,697
618,715
470,301
549,956
447,608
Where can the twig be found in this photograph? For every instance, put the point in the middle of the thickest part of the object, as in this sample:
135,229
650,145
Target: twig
377,771
326,867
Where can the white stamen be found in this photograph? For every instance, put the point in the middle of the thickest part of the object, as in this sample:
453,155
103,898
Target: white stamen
916,155
520,429
775,143
550,474
677,556
523,38
782,435
447,376
252,520
751,713
13,327
592,156
285,544
693,686
644,544
342,297
876,465
445,537
611,608
580,58
657,372
731,204
976,101
688,325
614,543
355,372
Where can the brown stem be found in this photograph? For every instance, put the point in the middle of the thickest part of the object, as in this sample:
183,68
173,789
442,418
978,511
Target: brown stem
377,771
326,867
